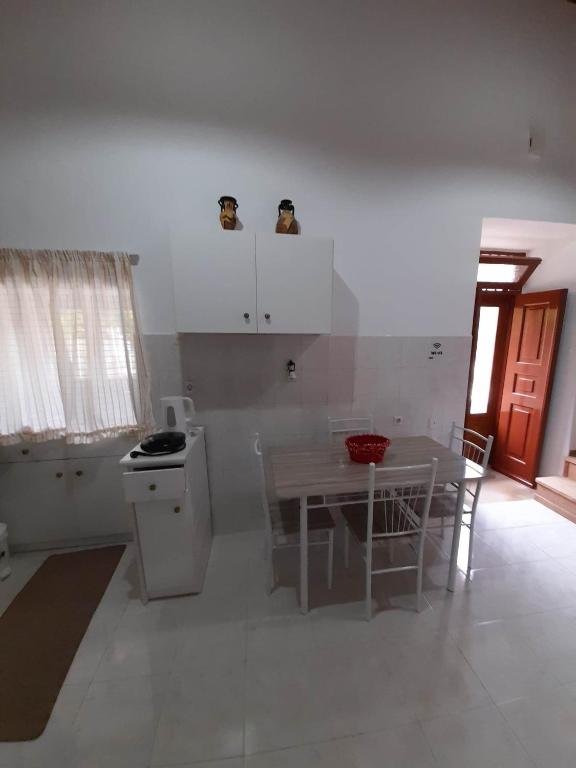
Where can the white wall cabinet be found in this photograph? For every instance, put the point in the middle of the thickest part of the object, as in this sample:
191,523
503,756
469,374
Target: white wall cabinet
294,274
214,282
236,282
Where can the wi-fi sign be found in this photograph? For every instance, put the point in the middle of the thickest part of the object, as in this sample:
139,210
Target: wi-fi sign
436,345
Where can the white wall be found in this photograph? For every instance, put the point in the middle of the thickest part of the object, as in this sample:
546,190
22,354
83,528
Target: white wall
394,127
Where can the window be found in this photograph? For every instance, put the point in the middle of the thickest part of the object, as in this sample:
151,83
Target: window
484,362
73,365
505,270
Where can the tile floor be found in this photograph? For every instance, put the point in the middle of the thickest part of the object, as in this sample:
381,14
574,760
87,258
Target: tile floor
484,678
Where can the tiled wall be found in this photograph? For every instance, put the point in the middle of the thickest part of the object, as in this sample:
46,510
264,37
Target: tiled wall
240,385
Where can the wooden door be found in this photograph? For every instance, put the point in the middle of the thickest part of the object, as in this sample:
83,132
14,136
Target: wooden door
294,283
214,281
490,332
532,351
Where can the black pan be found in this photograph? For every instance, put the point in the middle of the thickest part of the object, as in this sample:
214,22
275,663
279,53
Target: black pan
161,444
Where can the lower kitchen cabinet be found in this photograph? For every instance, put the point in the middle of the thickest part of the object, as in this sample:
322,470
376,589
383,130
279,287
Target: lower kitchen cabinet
62,502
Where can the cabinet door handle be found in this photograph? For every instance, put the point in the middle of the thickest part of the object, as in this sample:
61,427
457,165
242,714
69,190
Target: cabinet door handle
267,316
176,509
79,473
59,474
246,315
25,451
152,487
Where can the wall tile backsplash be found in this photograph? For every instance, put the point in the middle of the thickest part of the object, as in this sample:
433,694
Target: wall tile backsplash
240,385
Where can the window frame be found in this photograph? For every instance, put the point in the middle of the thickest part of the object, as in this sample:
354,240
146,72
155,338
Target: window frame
513,258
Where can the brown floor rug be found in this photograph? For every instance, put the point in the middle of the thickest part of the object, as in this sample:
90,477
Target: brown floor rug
40,632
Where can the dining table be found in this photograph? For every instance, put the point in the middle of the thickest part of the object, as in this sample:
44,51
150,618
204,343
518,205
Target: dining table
309,470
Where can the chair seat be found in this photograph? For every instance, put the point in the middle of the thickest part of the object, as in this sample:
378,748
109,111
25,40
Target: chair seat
287,517
356,517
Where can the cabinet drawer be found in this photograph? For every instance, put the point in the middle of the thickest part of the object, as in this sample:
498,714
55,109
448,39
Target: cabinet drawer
154,485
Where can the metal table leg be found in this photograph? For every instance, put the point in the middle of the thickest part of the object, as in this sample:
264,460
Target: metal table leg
456,535
304,554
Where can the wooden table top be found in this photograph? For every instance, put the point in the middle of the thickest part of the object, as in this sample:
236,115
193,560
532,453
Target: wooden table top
326,470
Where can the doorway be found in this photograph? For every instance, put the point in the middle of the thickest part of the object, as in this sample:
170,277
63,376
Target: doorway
515,338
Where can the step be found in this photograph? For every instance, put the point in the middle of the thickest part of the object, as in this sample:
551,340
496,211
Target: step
559,494
570,467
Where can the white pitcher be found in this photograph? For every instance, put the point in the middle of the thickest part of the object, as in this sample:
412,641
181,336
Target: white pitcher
177,414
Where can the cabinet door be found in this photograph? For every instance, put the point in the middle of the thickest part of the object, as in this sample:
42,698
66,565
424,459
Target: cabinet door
36,503
294,283
47,502
214,281
97,498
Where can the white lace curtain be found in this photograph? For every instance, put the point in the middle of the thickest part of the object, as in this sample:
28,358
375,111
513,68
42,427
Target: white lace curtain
71,358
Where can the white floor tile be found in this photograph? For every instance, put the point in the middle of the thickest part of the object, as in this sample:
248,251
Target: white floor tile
499,593
477,739
514,545
551,637
233,762
515,514
557,541
132,655
117,722
203,715
322,689
434,678
546,726
504,660
400,747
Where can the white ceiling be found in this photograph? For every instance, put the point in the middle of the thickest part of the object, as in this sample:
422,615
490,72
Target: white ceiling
518,234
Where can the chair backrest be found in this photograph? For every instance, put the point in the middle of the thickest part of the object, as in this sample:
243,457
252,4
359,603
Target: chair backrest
355,425
406,494
477,449
259,454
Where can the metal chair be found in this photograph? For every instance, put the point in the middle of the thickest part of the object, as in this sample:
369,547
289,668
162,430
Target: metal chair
341,428
282,523
401,512
477,453
350,425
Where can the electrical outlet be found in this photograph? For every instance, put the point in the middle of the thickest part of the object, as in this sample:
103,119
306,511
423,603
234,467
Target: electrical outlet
397,419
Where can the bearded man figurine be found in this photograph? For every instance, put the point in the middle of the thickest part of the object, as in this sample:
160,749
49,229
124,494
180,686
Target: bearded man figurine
286,224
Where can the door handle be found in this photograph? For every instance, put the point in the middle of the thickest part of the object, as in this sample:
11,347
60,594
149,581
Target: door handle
267,316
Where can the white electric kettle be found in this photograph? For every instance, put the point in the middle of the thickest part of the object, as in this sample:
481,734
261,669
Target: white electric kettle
177,414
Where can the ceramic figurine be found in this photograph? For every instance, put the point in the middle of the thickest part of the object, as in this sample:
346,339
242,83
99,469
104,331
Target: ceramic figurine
228,208
286,224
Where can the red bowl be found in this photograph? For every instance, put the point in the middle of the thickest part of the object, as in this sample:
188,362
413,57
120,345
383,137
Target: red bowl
365,449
